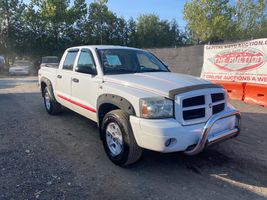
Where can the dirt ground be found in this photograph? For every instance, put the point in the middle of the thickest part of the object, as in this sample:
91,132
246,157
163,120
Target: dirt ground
61,157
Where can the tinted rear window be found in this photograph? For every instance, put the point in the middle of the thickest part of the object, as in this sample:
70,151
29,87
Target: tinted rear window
69,60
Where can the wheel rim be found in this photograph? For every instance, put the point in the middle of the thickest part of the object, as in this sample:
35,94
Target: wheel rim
47,101
114,138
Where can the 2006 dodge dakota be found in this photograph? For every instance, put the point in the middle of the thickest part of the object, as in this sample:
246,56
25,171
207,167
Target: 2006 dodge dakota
137,102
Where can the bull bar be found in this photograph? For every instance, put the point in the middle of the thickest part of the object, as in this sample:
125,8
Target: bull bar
206,140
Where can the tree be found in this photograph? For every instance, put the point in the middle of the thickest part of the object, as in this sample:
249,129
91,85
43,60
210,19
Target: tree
209,20
132,37
76,30
53,25
153,32
97,22
118,32
56,17
147,30
11,24
177,37
250,18
218,20
262,33
34,35
47,27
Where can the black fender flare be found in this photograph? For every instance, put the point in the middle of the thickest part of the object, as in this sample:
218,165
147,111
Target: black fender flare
117,101
49,85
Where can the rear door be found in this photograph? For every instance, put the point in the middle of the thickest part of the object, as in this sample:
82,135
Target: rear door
85,86
64,78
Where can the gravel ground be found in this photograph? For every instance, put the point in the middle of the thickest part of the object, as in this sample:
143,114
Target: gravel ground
61,157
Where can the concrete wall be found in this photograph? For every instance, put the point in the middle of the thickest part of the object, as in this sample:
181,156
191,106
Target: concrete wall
187,60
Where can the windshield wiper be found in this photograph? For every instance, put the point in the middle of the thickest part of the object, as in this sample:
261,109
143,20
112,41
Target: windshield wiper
152,70
124,70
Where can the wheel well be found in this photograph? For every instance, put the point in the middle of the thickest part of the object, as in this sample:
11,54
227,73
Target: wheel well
43,85
104,109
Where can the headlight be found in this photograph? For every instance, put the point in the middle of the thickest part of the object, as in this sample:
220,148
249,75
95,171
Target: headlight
155,108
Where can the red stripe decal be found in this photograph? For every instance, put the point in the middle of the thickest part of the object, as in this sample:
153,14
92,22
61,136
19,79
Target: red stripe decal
77,103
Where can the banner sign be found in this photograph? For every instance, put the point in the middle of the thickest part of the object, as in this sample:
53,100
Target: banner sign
240,62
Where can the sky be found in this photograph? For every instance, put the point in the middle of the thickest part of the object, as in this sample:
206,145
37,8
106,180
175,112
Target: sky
165,9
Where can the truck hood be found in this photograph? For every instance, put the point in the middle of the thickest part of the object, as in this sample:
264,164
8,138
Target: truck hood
159,83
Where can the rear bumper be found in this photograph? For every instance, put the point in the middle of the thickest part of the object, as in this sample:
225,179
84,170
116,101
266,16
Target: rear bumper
168,135
19,72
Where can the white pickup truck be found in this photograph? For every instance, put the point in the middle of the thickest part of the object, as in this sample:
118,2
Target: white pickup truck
137,102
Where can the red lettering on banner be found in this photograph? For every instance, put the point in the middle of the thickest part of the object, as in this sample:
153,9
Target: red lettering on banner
240,62
262,79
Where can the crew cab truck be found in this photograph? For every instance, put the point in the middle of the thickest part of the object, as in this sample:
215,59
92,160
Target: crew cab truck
137,102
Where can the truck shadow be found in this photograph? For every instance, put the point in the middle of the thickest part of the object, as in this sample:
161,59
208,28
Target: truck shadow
226,162
211,166
240,162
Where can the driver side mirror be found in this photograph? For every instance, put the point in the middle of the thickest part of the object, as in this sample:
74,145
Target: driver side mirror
86,69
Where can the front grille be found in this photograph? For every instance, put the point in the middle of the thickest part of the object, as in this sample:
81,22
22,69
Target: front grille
217,97
202,106
194,101
218,108
194,114
194,107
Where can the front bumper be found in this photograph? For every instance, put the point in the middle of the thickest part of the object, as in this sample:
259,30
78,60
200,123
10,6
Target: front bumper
168,135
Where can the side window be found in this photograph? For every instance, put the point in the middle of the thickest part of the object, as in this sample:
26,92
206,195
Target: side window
69,60
86,60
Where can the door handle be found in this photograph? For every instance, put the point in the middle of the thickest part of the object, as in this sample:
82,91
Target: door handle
59,76
75,80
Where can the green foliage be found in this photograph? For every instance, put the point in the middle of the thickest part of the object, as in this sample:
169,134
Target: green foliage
47,27
11,12
153,32
103,24
250,18
208,20
219,20
132,37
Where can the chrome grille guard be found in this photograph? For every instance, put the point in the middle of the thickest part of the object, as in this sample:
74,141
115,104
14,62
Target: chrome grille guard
205,140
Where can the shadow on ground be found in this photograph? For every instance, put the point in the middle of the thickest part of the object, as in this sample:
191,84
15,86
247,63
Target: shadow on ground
62,156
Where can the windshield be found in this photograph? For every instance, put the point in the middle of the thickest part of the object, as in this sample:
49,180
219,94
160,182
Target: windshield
50,60
123,61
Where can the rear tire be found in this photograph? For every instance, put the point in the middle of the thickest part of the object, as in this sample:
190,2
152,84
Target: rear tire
51,104
118,139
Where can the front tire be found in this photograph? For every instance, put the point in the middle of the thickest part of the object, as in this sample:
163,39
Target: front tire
118,139
51,105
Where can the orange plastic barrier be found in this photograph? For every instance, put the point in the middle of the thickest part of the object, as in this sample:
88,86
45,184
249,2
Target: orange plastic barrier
235,90
256,94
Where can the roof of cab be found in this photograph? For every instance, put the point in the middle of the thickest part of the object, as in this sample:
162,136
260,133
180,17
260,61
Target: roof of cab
103,47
